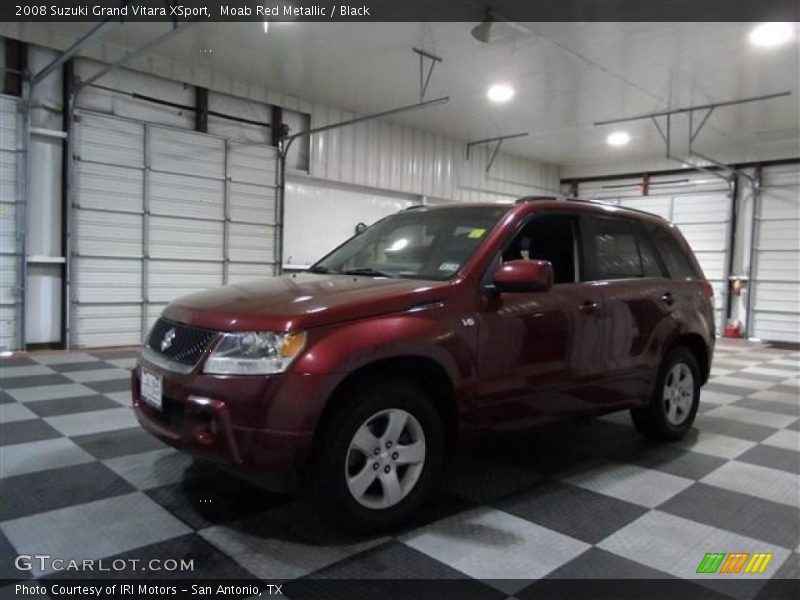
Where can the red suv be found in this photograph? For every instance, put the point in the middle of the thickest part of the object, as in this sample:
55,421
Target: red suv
433,324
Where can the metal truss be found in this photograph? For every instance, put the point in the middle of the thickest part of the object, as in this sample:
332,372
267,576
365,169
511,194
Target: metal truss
703,112
499,139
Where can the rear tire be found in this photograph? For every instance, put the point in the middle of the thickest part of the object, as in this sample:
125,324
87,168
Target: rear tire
379,456
676,396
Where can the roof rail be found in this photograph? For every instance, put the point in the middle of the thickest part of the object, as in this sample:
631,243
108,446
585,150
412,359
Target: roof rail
526,199
415,207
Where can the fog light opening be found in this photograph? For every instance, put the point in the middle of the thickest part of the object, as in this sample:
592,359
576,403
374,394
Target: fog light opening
205,431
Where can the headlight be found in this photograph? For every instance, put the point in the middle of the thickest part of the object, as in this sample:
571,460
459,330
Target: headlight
254,353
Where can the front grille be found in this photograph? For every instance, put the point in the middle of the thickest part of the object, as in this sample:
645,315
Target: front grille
187,345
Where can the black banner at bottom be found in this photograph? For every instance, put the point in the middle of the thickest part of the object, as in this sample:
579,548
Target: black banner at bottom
406,589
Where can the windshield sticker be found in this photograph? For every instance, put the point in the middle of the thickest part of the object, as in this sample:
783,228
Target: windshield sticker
448,267
477,233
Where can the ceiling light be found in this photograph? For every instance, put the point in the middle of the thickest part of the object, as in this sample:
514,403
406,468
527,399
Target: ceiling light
618,138
500,92
767,35
266,26
481,31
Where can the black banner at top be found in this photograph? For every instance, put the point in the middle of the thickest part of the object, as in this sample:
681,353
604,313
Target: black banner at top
399,10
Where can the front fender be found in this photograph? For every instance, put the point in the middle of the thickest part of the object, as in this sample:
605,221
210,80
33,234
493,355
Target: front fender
337,351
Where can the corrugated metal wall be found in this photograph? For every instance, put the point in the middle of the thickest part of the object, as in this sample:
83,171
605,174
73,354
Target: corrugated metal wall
386,155
320,215
700,205
776,286
162,212
10,249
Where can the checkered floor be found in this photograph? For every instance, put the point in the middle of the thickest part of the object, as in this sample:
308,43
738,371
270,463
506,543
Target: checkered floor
591,499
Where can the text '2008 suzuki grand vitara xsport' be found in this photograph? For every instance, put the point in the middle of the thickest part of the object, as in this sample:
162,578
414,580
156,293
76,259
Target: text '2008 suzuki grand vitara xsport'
433,324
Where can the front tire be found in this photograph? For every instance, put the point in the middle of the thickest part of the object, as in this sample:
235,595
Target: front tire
673,406
379,455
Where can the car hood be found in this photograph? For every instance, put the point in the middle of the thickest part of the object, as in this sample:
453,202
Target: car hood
301,301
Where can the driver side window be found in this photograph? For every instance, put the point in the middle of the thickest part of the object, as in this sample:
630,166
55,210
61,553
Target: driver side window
548,237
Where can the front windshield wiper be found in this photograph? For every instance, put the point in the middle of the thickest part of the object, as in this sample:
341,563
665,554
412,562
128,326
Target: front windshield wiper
319,269
366,271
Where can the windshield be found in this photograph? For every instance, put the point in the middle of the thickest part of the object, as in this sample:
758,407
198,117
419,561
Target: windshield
415,244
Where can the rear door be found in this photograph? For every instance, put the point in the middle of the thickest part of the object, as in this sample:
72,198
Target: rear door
638,301
691,294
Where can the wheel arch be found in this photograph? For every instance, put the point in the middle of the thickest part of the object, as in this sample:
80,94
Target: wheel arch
421,371
699,349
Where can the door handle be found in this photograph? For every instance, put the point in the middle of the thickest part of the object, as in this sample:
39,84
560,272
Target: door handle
589,306
668,298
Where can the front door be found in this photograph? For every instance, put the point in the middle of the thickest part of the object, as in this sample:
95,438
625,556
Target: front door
539,352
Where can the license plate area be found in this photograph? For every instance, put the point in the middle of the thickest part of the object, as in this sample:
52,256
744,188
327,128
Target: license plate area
152,389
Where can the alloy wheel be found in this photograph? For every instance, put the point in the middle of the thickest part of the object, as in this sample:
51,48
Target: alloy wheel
678,393
385,458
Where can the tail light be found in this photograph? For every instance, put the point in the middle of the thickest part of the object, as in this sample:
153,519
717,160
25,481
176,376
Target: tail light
708,289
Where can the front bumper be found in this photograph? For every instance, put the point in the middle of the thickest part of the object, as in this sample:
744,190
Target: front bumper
245,421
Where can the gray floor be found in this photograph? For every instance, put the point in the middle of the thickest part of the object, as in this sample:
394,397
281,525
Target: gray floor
587,500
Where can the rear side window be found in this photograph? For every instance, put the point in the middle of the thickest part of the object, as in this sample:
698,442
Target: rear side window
678,264
611,249
651,264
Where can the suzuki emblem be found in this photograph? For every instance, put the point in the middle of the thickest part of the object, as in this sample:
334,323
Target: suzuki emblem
167,341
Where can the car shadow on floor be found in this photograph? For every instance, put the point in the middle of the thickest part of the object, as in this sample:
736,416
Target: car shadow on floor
486,473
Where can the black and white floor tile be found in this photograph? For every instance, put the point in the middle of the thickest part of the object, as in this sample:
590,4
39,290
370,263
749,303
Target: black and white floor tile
80,479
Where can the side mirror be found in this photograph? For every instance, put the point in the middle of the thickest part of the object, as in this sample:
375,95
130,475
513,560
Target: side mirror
524,276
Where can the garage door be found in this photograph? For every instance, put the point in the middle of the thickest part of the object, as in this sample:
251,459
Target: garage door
775,310
700,205
159,213
10,138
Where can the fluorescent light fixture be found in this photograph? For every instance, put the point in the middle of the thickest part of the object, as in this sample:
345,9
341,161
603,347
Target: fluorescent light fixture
767,35
618,138
500,92
266,26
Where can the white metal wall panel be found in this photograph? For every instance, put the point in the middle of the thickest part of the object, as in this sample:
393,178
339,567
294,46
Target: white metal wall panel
106,187
10,143
251,243
186,239
611,190
775,310
251,232
699,204
9,245
110,141
107,225
185,196
160,213
102,234
122,103
186,152
249,163
388,156
251,203
658,205
321,215
168,280
98,325
107,280
238,272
